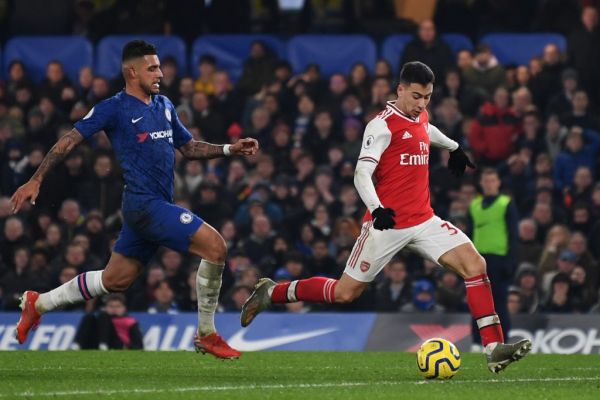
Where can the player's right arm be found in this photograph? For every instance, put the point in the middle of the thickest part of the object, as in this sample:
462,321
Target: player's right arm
57,153
100,117
376,139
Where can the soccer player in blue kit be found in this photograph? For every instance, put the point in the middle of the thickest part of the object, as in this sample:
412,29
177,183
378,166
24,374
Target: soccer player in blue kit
144,131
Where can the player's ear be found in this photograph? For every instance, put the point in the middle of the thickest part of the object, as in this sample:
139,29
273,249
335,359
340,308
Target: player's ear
400,89
128,71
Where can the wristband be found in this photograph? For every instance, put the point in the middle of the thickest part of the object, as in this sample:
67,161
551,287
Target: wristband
226,149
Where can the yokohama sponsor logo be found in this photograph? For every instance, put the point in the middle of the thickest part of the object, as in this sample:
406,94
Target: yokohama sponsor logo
561,341
414,159
162,134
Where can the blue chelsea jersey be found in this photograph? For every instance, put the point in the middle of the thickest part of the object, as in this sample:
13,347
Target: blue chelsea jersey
144,138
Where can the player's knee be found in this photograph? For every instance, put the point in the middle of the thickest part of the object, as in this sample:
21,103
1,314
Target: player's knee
345,296
217,252
476,266
115,285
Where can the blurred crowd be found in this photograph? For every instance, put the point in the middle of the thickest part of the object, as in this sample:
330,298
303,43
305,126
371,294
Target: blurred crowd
292,210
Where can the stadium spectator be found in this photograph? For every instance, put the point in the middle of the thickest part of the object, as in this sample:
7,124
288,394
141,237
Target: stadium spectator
258,68
164,299
582,47
581,149
527,281
13,237
17,279
450,292
514,301
101,190
259,243
557,240
562,100
554,135
495,130
579,113
547,82
423,298
206,71
485,72
110,328
560,297
529,249
428,48
321,262
236,297
582,293
394,291
55,81
578,244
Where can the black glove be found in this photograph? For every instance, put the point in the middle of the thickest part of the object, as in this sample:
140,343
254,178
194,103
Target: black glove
458,162
383,218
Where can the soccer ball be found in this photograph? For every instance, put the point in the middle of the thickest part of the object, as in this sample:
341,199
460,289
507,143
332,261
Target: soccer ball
438,358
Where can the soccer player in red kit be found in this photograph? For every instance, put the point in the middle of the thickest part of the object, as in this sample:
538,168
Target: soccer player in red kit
396,150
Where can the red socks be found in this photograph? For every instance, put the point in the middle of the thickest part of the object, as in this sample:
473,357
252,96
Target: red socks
481,304
314,290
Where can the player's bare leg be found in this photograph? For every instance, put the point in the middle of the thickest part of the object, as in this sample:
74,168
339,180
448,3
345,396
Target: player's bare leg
315,290
119,273
208,244
469,264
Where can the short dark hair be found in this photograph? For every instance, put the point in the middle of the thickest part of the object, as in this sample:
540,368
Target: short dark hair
137,49
490,171
416,72
207,59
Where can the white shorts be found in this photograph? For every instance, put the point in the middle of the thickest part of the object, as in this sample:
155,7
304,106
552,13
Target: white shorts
374,248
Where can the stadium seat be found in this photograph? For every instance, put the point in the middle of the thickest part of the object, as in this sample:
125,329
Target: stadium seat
110,48
392,49
519,48
36,51
334,53
457,42
231,50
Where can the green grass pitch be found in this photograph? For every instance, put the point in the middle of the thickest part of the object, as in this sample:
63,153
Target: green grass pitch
285,375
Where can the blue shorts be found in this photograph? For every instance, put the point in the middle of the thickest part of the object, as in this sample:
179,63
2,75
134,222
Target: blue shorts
156,223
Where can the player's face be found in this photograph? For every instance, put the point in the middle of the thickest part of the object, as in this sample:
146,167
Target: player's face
149,74
490,183
414,98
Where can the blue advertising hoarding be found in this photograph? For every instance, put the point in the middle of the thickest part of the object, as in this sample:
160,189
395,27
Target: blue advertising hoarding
271,331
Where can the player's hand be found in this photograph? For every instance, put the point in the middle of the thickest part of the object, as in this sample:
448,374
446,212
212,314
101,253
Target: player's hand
383,218
458,162
29,190
244,147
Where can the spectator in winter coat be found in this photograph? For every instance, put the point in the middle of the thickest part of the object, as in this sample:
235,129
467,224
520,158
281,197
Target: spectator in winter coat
577,153
485,73
429,48
494,132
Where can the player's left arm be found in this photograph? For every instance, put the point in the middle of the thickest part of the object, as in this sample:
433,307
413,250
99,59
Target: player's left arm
458,161
199,150
438,139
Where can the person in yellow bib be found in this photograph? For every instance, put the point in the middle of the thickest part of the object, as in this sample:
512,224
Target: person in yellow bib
494,230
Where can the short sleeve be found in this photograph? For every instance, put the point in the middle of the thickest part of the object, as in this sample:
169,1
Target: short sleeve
180,133
102,116
376,139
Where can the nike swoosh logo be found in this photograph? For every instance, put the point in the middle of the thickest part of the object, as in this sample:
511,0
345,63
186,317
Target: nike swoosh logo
134,120
239,342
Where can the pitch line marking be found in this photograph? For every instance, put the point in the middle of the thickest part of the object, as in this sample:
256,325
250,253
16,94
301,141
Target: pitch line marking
282,386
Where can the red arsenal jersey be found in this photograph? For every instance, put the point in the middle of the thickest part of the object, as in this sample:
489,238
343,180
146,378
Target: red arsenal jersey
400,147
